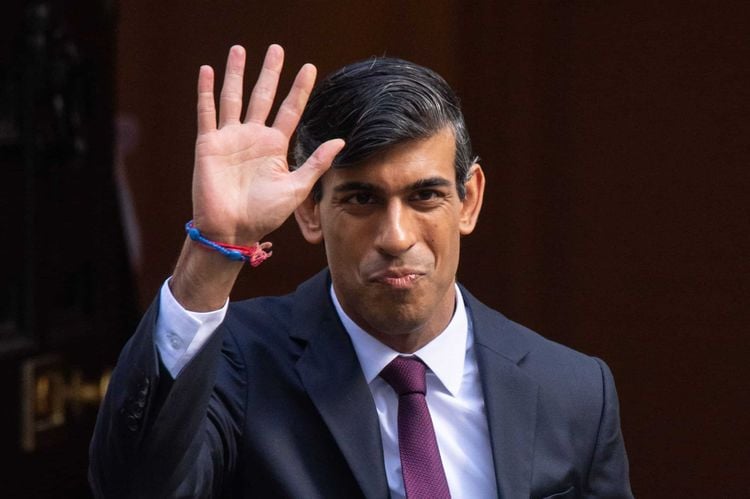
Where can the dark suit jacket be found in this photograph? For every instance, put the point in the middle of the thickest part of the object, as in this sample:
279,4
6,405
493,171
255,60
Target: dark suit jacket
276,405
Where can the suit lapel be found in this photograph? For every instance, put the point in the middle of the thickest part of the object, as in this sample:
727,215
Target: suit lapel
332,377
510,397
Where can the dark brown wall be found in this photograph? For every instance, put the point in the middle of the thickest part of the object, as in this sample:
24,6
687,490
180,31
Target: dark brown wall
615,142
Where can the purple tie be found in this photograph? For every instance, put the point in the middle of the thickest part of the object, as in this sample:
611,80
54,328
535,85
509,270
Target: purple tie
424,477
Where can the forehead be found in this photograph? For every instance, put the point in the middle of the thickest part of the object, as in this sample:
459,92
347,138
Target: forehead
402,164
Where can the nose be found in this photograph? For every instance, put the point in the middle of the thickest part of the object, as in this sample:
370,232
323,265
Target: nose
396,232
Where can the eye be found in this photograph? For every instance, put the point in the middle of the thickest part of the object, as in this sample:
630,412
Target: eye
360,198
426,195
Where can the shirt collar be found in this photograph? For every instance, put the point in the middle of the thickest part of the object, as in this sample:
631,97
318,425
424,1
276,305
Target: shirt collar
444,356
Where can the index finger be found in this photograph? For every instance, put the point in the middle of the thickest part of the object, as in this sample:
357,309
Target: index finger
291,109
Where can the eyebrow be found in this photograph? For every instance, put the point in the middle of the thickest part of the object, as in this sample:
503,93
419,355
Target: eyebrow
423,183
354,186
430,182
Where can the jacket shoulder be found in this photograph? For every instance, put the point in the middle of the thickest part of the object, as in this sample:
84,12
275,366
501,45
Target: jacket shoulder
554,366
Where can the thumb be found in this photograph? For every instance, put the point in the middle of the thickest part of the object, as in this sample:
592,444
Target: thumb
317,164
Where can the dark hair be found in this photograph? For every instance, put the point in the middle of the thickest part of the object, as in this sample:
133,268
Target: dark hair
376,104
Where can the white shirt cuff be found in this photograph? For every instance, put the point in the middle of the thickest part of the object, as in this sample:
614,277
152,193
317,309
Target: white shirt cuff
180,333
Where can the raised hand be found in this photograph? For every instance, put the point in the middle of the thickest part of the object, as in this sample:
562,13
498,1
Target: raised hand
242,186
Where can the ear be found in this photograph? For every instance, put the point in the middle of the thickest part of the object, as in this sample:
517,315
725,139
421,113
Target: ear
472,203
308,218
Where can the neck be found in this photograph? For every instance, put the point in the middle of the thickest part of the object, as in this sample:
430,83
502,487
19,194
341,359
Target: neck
409,335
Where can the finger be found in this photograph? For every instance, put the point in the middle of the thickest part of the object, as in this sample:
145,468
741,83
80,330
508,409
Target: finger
261,100
291,109
206,106
230,107
316,165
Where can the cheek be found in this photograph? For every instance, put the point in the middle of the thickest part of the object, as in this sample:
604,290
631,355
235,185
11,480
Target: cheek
344,246
443,239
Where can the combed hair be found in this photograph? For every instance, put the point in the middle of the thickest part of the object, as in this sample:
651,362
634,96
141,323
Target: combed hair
376,104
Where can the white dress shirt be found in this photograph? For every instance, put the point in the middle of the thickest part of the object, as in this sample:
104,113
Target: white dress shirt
181,333
454,397
454,393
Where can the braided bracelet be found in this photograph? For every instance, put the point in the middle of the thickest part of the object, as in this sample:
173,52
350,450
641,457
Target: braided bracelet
255,254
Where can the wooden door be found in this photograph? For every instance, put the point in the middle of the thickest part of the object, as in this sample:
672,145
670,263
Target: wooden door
65,293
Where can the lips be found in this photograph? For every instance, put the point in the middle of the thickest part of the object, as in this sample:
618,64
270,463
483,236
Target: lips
397,278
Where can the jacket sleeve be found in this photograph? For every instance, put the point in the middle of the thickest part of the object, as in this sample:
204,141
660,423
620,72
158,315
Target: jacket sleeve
159,437
609,471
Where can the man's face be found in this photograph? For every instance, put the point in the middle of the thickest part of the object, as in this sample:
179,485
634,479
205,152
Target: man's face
392,229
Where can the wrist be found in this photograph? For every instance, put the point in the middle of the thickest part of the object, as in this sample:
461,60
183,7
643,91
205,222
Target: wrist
203,278
233,234
255,254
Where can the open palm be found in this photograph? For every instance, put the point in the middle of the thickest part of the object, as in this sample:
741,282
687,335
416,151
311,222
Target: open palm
242,186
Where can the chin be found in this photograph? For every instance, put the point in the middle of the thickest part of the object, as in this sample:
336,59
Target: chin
398,321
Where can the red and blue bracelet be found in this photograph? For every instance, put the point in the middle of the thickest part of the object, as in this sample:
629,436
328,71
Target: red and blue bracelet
255,254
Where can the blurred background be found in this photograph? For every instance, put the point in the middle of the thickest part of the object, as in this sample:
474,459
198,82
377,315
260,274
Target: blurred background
613,135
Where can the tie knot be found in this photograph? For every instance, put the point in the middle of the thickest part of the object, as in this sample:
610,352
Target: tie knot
405,375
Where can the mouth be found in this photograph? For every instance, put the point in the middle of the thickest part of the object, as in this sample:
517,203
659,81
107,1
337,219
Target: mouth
397,278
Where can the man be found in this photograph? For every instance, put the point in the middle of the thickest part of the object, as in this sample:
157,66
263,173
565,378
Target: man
314,394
